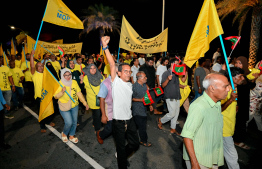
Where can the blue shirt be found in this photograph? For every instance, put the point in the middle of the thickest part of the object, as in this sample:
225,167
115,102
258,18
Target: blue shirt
2,100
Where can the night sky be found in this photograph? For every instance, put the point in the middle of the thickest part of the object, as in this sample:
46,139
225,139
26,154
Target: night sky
144,15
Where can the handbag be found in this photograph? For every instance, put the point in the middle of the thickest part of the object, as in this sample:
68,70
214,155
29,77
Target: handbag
97,98
65,106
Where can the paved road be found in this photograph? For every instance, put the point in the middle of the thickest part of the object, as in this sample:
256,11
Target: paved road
32,149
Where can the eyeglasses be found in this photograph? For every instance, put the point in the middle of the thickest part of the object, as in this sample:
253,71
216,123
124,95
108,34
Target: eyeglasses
127,71
68,75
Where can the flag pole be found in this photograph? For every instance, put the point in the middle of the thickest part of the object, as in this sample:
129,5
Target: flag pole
6,59
118,55
228,68
40,29
60,85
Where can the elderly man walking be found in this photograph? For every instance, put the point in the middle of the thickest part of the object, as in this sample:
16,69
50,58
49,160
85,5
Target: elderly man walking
203,129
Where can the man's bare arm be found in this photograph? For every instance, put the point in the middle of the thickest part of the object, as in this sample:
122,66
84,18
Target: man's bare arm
191,152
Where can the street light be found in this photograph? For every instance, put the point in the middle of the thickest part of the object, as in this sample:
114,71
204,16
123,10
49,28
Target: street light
12,27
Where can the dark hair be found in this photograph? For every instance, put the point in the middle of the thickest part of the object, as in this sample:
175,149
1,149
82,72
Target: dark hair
201,60
234,72
150,58
164,59
121,65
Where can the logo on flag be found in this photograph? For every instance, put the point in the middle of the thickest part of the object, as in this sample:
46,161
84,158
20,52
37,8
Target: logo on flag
179,69
158,91
147,99
63,14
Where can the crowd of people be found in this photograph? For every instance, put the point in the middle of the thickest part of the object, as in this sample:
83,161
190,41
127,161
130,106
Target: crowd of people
114,92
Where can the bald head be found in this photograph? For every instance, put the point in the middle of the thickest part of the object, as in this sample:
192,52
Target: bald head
216,86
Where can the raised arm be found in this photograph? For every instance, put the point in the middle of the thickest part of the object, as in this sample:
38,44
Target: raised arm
32,64
105,40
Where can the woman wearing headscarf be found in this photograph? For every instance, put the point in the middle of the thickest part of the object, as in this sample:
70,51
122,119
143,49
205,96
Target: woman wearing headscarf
69,109
92,80
243,102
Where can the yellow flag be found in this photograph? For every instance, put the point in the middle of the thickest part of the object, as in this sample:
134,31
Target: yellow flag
103,53
207,28
23,54
59,14
1,50
50,85
131,41
13,49
184,95
6,61
39,52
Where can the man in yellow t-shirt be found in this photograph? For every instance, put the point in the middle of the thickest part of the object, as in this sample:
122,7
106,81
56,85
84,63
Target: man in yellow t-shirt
18,61
79,65
55,64
5,81
29,85
228,108
37,77
18,77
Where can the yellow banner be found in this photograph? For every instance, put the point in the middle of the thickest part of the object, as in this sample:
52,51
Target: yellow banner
59,14
46,47
207,28
70,48
50,85
131,41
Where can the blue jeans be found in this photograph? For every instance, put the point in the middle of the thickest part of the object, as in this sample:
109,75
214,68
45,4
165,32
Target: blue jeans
196,96
17,96
7,96
70,119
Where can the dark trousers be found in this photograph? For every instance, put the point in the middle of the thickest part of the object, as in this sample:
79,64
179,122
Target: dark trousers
30,92
2,128
107,130
141,122
96,115
17,96
48,119
120,134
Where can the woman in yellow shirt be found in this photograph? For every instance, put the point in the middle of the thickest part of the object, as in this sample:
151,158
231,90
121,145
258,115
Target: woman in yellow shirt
92,80
69,109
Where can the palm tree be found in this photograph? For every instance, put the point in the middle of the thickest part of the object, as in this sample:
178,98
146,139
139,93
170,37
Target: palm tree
102,18
241,9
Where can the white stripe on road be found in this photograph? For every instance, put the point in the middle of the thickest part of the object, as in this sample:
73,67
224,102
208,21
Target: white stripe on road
69,143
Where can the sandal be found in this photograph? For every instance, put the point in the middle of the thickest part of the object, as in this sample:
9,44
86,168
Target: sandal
74,140
64,138
145,144
159,124
242,145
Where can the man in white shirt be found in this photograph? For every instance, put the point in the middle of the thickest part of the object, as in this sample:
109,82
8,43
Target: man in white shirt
134,70
216,54
123,123
160,70
218,65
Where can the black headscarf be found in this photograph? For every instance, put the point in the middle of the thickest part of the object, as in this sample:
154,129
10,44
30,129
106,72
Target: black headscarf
94,80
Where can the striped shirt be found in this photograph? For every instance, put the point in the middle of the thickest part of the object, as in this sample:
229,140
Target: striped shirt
204,125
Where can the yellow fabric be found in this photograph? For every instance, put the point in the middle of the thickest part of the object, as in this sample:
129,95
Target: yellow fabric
1,50
56,66
18,63
4,81
5,59
58,41
107,70
128,61
207,28
103,53
28,75
70,48
131,41
13,49
24,52
59,14
38,81
17,74
250,75
74,90
49,87
39,52
229,117
90,95
77,67
184,95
